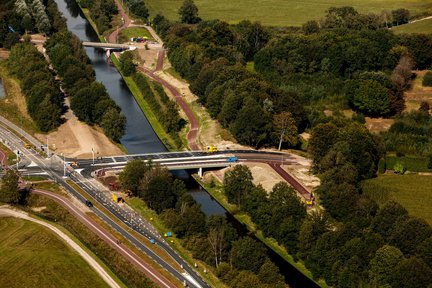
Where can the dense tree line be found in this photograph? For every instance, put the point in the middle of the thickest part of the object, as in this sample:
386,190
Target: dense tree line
20,17
362,242
211,55
101,12
239,261
43,97
411,133
88,99
278,215
352,242
165,109
344,54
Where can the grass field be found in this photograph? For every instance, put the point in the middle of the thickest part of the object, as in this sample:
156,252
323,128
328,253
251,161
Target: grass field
412,191
411,163
131,32
279,12
32,256
423,26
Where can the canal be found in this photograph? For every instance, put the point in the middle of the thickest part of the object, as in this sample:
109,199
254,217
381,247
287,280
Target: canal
140,137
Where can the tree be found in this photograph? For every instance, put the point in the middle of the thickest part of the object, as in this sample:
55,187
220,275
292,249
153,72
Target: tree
155,189
313,226
269,274
139,8
424,251
424,108
9,190
412,273
127,65
400,16
427,79
245,279
382,266
132,174
408,235
310,27
10,40
248,254
372,98
323,136
114,124
189,12
191,221
286,127
387,218
237,184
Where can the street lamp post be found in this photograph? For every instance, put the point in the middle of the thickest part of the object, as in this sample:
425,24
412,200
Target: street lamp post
17,161
93,155
47,147
64,165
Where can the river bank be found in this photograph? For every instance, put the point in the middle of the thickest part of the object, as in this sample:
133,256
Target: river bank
157,127
216,191
258,238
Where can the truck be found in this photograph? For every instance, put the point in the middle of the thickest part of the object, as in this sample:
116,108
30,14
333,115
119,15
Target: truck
168,234
211,149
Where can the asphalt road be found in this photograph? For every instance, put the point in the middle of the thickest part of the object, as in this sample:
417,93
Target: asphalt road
107,237
53,167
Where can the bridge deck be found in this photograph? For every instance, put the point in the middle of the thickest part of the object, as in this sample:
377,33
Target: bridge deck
106,45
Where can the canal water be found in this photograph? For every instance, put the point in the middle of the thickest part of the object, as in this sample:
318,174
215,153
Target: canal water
140,136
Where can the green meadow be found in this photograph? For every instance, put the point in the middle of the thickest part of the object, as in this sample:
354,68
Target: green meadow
280,12
412,191
423,26
33,256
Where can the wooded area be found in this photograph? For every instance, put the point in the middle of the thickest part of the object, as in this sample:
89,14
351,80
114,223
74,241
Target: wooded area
238,261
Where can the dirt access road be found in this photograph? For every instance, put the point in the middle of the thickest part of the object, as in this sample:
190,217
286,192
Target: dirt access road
8,211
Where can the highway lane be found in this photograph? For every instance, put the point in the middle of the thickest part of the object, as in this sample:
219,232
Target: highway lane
139,225
107,237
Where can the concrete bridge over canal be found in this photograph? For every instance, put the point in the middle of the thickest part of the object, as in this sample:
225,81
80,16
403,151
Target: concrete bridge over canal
109,46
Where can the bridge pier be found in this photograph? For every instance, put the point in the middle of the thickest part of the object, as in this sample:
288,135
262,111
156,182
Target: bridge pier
200,172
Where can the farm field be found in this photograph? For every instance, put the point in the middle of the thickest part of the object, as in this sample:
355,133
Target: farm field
412,191
423,26
33,256
279,12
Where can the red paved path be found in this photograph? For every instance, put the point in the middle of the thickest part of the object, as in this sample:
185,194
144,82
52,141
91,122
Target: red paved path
193,133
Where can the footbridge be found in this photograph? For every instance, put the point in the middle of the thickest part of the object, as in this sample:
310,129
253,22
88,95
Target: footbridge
109,46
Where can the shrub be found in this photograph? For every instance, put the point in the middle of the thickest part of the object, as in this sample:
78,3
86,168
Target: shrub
382,166
427,79
399,168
